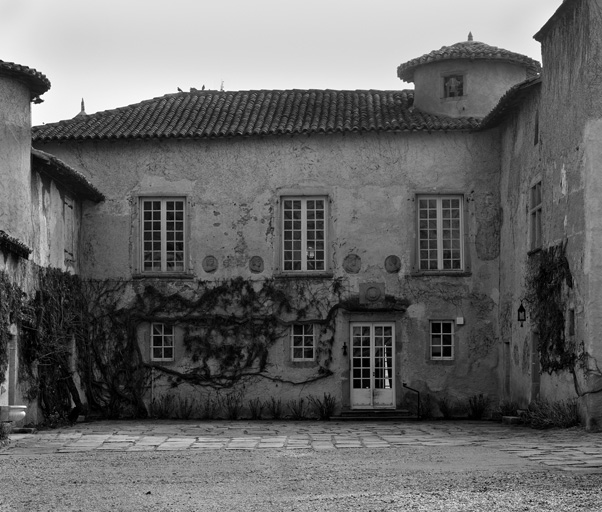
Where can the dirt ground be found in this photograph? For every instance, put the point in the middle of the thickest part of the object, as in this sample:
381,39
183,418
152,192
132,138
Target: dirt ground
406,478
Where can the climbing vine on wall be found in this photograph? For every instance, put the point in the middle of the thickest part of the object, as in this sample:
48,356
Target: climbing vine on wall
54,323
548,280
11,301
229,328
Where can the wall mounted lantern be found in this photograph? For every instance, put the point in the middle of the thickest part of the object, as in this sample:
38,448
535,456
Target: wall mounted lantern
522,314
344,348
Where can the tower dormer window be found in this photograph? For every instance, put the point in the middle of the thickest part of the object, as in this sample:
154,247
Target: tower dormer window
453,86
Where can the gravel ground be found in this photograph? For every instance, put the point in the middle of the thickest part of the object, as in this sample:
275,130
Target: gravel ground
412,478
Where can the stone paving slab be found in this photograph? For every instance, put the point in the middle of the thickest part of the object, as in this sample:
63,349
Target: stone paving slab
569,450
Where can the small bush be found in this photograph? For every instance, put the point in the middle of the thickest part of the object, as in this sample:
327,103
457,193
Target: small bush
210,408
232,404
508,408
447,406
184,408
477,406
542,414
297,409
5,429
256,407
426,406
324,409
274,408
162,407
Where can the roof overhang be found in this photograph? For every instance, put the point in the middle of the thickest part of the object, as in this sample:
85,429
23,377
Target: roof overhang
65,175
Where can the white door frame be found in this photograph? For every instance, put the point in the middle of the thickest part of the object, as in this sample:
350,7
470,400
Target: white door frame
372,365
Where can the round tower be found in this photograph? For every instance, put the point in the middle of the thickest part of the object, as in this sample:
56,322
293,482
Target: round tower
466,79
19,86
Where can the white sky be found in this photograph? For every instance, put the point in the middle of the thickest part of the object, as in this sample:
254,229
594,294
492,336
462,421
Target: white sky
118,52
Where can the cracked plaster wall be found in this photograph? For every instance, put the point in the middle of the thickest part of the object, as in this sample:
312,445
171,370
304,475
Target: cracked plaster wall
371,180
567,159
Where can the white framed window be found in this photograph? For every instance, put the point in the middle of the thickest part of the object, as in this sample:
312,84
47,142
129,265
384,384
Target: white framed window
304,234
442,340
162,342
163,234
303,342
440,233
535,211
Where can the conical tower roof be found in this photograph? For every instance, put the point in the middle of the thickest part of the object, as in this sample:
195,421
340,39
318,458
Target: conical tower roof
469,50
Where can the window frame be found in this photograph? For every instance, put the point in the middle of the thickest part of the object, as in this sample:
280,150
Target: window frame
282,249
449,75
163,346
535,213
304,346
439,198
140,258
441,345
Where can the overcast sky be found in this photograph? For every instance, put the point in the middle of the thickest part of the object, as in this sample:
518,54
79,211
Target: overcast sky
118,52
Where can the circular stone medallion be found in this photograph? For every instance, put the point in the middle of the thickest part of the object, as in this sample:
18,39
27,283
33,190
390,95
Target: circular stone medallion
392,264
210,264
352,263
256,264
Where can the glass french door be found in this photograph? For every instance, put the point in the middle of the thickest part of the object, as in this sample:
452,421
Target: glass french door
372,365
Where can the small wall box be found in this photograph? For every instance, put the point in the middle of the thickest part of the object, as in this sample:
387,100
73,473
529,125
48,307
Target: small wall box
460,320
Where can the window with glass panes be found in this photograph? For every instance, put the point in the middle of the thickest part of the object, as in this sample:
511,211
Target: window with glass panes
162,342
163,235
304,234
535,209
442,340
440,233
303,342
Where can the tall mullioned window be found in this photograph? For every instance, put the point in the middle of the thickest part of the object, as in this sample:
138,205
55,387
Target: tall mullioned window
163,235
304,234
440,233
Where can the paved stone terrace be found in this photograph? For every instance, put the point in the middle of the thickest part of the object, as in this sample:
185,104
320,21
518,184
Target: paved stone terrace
570,450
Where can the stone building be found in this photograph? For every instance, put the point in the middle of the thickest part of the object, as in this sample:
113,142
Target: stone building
360,244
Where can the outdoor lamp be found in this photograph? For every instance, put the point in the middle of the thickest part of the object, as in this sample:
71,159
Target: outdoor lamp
344,348
522,313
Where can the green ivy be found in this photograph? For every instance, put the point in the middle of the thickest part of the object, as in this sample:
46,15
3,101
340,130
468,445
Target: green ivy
549,277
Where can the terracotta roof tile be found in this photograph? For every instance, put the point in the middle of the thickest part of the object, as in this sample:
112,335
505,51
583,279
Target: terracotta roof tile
13,245
211,114
471,50
66,175
509,102
37,82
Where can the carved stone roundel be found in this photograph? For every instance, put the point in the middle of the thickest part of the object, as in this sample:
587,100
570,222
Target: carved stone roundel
256,264
210,264
392,264
373,294
352,263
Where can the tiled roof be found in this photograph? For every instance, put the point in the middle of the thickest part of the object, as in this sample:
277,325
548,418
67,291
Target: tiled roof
471,50
509,102
37,82
210,114
13,245
67,176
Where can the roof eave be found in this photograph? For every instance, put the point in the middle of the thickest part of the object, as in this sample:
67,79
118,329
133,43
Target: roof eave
65,175
509,102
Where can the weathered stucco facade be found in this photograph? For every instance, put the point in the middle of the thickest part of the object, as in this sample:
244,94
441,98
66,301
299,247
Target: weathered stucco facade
553,139
233,188
361,245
